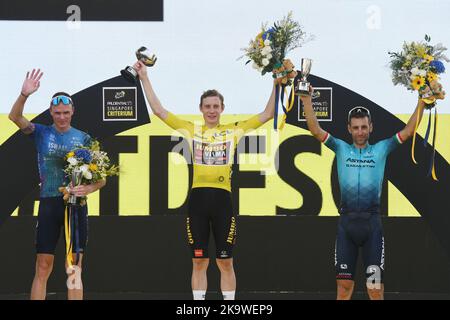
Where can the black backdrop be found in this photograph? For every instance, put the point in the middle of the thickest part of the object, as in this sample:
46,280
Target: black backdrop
149,257
292,251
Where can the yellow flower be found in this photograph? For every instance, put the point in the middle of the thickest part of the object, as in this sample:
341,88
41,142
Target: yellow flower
93,167
259,39
420,50
261,43
95,145
70,154
428,58
431,76
418,82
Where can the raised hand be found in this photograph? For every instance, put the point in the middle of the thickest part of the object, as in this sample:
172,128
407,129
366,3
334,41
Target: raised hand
32,82
141,69
307,98
438,92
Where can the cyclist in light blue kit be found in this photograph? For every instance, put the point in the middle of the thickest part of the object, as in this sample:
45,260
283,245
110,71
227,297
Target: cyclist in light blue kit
53,142
361,172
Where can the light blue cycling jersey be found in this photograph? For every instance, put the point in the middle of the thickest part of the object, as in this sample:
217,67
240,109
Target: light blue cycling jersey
361,172
52,146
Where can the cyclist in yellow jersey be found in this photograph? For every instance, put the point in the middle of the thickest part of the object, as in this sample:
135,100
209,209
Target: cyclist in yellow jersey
213,146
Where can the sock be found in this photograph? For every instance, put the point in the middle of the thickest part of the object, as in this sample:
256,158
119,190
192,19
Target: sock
228,295
199,294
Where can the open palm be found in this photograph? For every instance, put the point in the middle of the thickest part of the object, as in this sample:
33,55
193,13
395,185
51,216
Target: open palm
32,82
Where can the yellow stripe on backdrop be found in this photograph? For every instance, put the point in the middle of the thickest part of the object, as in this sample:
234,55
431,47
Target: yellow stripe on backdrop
134,179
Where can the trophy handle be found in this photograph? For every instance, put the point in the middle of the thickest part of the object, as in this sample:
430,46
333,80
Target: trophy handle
130,74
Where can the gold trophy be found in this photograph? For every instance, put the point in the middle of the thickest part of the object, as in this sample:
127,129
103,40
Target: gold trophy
143,55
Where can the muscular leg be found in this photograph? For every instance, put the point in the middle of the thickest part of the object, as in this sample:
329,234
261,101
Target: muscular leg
197,227
47,234
373,255
346,255
74,282
224,230
44,267
345,289
376,294
227,276
199,279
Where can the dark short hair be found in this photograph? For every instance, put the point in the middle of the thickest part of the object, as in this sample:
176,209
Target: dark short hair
62,93
211,93
359,112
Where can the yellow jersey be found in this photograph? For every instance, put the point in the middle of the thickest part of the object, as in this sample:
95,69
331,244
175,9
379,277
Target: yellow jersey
212,149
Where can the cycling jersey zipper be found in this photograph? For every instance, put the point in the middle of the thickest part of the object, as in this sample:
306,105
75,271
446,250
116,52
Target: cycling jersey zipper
359,176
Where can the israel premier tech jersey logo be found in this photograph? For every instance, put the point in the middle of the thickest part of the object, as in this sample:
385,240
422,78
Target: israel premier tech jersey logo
119,104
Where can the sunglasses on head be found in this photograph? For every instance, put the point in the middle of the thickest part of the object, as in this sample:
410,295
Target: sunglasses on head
58,99
358,110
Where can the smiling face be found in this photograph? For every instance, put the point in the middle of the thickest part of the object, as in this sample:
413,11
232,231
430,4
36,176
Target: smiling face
211,108
62,116
360,129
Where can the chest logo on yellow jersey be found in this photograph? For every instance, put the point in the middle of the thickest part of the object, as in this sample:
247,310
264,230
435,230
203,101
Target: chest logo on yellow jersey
212,153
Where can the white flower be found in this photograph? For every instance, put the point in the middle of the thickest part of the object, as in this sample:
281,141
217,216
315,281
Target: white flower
87,174
412,77
84,168
255,65
265,62
415,71
267,42
409,57
422,73
269,56
266,50
73,161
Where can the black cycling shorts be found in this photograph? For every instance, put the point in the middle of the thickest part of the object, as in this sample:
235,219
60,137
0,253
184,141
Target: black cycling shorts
51,221
211,208
360,230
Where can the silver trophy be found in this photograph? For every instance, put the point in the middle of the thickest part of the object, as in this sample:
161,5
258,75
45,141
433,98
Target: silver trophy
144,55
76,178
302,87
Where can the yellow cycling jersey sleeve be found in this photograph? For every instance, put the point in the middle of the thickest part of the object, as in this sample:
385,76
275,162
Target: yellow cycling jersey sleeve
183,126
243,127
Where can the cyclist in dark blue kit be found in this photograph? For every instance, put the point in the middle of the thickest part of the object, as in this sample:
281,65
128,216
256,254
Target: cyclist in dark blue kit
52,144
361,172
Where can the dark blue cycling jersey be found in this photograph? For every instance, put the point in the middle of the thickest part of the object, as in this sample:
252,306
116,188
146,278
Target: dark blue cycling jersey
52,146
361,172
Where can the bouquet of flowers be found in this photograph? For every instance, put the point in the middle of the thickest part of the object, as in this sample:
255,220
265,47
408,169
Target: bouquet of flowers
92,162
268,52
93,165
418,67
270,47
